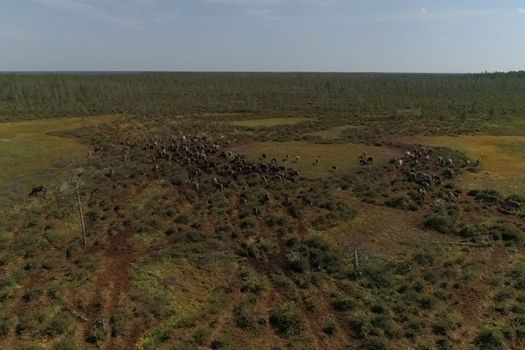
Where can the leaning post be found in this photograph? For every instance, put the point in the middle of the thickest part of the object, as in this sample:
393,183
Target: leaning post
356,260
80,212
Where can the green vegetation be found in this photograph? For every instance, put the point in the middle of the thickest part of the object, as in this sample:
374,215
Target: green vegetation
287,319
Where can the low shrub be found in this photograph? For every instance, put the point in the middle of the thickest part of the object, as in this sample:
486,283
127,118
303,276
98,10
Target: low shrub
58,325
489,338
287,320
330,326
397,202
506,231
443,325
486,196
440,222
343,303
471,231
65,344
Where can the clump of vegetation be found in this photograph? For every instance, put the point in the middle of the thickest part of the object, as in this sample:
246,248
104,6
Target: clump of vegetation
471,231
486,196
397,202
287,319
441,221
330,326
490,338
506,231
343,303
313,254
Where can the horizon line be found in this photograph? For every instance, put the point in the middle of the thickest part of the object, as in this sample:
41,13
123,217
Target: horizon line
108,71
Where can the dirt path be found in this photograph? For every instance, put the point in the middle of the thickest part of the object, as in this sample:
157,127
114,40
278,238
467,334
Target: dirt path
476,297
111,282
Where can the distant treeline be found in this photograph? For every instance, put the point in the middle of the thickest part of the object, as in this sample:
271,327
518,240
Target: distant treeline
160,94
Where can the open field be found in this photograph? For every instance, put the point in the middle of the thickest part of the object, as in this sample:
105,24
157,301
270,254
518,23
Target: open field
195,240
31,154
342,156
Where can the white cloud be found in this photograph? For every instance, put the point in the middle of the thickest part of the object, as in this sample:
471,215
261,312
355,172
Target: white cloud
424,10
522,11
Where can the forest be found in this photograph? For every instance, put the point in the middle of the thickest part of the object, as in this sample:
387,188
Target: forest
31,96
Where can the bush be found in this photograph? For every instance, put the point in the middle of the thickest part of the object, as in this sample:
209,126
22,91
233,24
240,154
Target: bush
517,275
251,282
30,322
65,344
490,338
117,322
440,222
377,343
287,319
486,196
471,231
58,325
427,302
200,335
343,303
244,318
5,326
396,202
506,231
5,239
330,326
443,325
312,254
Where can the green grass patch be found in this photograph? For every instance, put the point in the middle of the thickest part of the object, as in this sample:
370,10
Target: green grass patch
342,156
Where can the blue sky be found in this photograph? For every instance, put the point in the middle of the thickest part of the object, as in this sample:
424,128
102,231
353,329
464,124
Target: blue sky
263,35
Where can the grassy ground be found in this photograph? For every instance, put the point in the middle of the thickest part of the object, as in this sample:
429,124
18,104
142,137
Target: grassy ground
27,148
268,122
335,132
502,159
343,156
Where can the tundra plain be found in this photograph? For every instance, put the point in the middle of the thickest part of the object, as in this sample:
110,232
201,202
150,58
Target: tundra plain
262,211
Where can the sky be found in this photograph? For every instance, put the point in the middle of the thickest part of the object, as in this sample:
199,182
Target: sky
263,35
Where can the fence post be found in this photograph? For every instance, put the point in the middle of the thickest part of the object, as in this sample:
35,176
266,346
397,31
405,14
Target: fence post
80,212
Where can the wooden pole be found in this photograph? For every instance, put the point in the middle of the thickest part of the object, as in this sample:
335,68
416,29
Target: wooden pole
356,260
80,211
